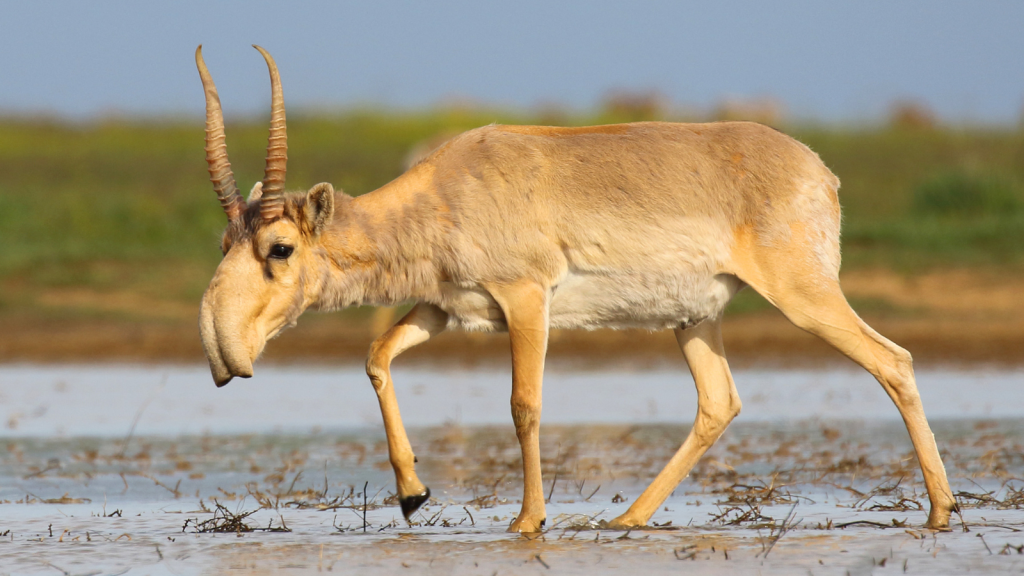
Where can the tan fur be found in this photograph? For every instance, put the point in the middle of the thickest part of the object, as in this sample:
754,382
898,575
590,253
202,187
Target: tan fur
524,228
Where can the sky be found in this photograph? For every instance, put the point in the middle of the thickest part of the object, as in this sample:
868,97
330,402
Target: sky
823,60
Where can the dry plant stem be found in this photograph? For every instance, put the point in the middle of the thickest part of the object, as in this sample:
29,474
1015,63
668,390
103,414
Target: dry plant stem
717,404
138,415
895,524
365,485
224,520
555,479
418,326
525,306
787,524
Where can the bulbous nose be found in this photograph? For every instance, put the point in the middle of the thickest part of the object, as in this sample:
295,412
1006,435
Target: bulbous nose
225,351
240,370
222,380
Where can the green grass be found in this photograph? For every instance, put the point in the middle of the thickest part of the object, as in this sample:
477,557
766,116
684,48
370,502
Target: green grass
747,301
127,206
915,199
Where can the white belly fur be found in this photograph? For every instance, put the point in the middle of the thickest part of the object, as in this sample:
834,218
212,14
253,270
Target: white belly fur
653,302
589,301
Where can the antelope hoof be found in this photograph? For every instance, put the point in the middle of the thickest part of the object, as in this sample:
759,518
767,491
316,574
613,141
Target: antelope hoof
410,504
624,522
939,518
526,525
938,525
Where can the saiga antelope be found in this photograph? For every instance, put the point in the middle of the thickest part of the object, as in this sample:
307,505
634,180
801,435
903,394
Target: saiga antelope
527,228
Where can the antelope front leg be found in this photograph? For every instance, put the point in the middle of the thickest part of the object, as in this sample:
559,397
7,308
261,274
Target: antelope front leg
422,322
526,311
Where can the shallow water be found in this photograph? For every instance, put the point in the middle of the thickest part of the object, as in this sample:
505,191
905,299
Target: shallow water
105,464
103,400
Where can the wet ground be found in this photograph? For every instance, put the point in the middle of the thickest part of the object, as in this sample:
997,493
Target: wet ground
151,470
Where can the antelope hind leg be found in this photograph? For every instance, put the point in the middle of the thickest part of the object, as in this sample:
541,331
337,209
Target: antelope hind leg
821,309
421,323
717,404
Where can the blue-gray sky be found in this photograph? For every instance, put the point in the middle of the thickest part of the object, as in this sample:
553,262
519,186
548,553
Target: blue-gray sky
831,61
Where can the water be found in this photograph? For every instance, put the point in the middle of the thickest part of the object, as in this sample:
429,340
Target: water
65,401
104,465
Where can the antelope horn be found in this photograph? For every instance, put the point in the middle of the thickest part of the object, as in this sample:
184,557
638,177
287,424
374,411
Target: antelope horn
216,146
272,202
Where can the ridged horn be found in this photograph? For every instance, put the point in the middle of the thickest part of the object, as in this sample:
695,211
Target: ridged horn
216,146
272,201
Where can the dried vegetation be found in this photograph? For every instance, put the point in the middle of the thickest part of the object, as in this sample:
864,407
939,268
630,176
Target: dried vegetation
754,478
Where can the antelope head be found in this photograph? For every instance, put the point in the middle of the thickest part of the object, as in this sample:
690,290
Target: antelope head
272,261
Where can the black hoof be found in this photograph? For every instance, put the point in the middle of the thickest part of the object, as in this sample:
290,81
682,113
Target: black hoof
410,504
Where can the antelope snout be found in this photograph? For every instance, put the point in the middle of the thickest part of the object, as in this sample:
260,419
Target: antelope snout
228,370
226,352
227,359
226,363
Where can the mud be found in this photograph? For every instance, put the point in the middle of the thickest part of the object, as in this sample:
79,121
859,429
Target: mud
762,339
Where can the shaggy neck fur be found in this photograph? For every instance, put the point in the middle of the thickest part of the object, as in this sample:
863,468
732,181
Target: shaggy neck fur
381,251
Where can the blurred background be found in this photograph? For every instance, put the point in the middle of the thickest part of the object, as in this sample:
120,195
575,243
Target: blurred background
109,227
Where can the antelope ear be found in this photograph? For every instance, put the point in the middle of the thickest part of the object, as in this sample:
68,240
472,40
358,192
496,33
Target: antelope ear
256,193
319,207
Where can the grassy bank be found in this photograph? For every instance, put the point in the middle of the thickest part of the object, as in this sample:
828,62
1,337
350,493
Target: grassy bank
117,218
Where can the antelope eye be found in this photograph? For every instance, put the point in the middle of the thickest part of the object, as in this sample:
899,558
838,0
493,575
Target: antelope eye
280,251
